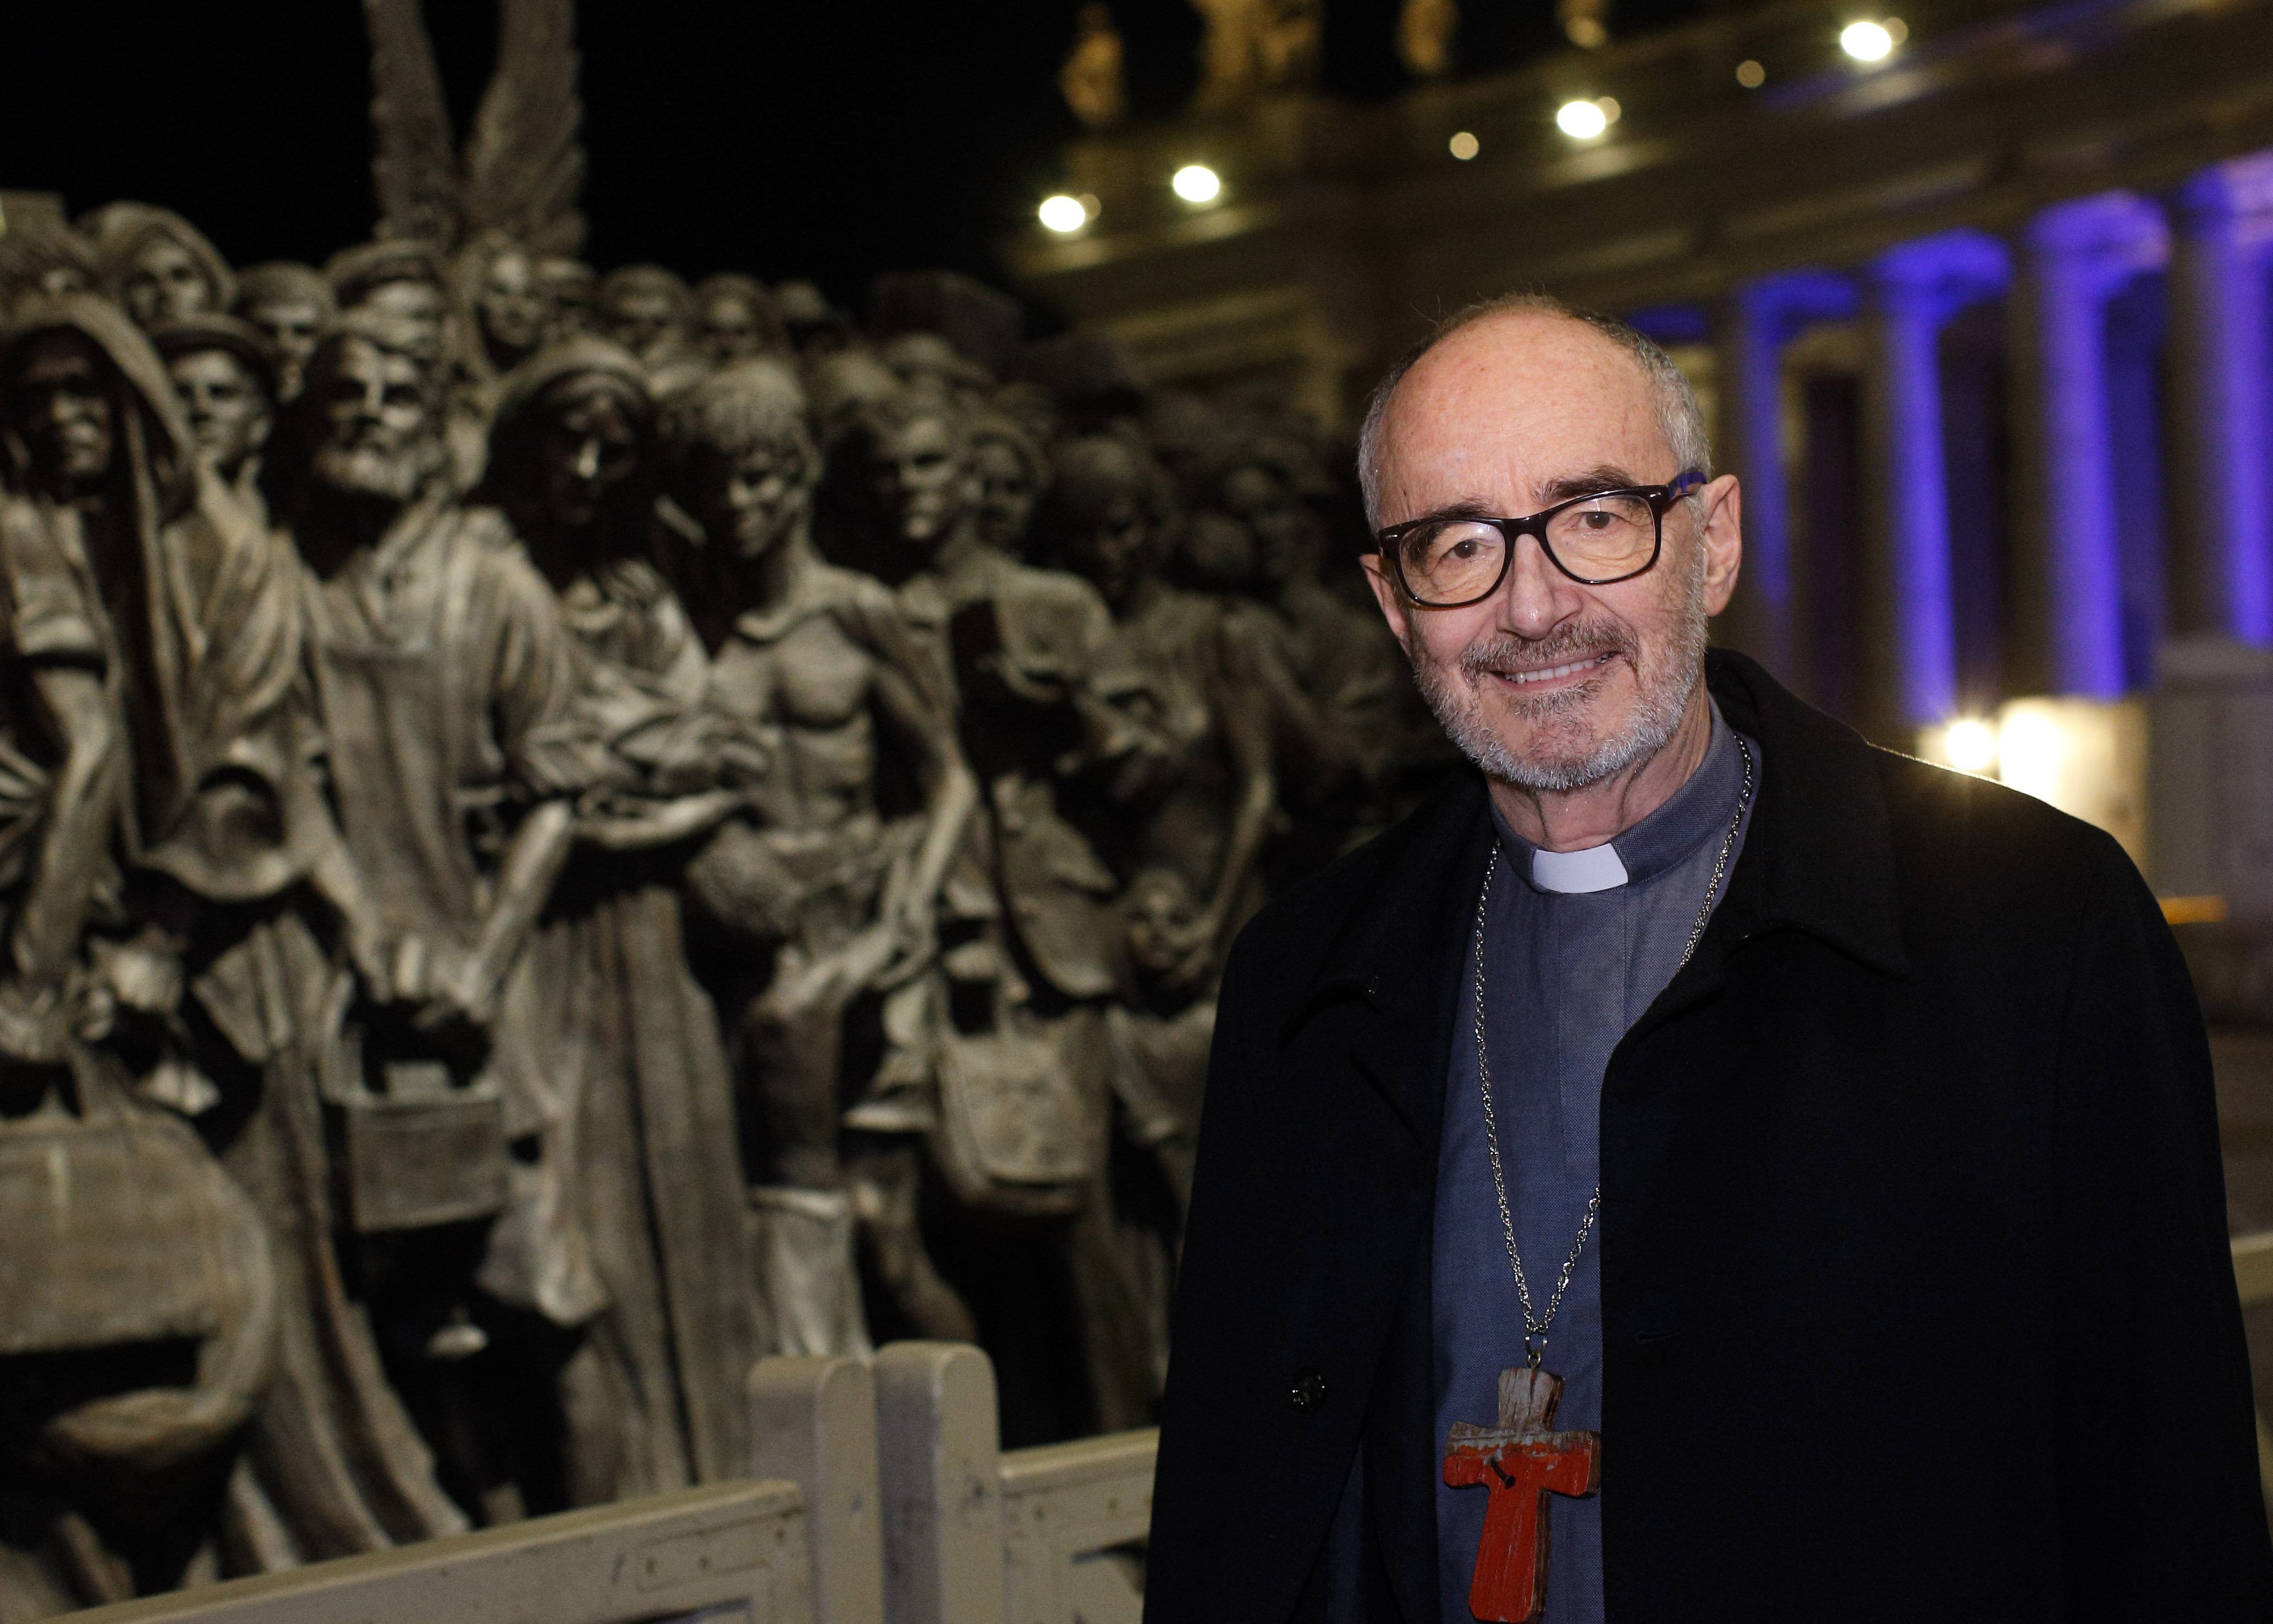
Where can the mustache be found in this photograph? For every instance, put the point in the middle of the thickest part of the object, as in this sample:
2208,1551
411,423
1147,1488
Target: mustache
1576,639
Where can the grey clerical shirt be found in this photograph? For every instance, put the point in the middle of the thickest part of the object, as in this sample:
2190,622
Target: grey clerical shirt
1577,946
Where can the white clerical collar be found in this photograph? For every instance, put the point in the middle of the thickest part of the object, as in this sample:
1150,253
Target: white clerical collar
1597,868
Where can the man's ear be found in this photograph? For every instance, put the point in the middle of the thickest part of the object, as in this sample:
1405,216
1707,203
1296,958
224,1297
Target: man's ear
1724,540
1394,607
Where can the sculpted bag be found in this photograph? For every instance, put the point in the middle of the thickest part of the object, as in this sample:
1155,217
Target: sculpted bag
423,1147
1015,1132
111,1226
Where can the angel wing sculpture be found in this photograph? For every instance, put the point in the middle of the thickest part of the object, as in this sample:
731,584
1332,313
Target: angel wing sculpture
522,172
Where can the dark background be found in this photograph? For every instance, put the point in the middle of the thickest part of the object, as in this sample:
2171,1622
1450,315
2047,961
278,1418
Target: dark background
784,138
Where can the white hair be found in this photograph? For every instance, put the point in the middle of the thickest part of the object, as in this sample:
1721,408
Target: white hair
1679,418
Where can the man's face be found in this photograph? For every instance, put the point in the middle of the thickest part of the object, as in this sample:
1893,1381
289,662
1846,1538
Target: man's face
922,480
589,448
228,410
640,320
291,325
380,439
730,330
754,499
512,306
164,284
421,302
1006,495
1549,684
61,397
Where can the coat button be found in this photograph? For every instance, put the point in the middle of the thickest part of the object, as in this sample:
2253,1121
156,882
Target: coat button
1308,1391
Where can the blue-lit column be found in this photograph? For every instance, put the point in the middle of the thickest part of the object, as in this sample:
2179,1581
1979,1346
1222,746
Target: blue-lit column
2222,376
2079,254
1916,288
1759,321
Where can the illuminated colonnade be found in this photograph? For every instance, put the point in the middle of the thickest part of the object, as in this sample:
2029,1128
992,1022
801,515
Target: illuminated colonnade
2083,288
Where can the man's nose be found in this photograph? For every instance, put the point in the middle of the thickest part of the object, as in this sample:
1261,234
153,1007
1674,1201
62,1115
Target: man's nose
588,460
1535,595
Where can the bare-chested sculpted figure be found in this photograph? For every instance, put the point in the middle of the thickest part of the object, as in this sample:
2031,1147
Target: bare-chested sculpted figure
1022,1087
158,266
835,887
159,818
287,303
654,1396
224,377
444,684
735,319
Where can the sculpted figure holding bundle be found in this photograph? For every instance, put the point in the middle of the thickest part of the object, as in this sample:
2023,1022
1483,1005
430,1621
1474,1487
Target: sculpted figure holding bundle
832,883
653,1396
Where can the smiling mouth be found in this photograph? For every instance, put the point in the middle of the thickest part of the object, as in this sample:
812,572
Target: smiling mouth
1553,673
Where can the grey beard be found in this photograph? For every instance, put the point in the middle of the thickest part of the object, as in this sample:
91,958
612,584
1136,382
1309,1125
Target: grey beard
358,471
1565,756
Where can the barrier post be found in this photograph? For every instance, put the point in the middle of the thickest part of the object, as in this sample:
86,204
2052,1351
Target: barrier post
815,1421
940,1463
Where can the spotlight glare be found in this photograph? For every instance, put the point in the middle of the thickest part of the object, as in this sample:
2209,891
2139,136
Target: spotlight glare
1750,75
1582,121
1195,182
1062,214
1465,145
1867,41
1971,744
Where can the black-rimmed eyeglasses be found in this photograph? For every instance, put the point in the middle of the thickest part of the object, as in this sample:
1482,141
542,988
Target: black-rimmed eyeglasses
1598,539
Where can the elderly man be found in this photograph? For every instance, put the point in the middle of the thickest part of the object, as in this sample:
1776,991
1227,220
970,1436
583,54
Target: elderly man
443,678
1831,1135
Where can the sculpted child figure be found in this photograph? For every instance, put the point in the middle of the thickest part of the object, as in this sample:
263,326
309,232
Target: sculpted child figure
816,664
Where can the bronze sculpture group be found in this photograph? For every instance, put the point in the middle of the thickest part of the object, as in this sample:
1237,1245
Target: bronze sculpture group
560,832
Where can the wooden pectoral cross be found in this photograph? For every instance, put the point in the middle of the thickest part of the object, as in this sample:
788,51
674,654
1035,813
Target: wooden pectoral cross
1519,1463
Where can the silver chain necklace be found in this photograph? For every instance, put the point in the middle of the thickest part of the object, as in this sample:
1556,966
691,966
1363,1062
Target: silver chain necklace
1535,1327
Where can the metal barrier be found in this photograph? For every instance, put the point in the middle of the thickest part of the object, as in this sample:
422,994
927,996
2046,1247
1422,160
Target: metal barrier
728,1554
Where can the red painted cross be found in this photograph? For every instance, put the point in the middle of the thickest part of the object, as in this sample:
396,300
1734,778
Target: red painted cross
1519,1463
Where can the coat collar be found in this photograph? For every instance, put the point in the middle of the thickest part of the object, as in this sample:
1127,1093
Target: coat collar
1819,857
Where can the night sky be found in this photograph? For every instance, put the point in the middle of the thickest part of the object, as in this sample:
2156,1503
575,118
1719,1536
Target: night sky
786,137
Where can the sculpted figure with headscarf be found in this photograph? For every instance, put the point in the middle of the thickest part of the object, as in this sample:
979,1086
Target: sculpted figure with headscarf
654,1395
156,822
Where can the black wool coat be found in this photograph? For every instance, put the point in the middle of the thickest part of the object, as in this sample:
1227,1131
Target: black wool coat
1916,1298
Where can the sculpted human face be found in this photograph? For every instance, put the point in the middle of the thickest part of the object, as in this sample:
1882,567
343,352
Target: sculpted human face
1006,494
1110,540
730,330
922,479
512,307
227,408
164,284
1547,684
381,438
642,321
1285,534
291,325
61,398
589,448
754,499
415,301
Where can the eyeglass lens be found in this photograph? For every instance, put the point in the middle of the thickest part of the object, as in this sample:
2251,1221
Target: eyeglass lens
1456,560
